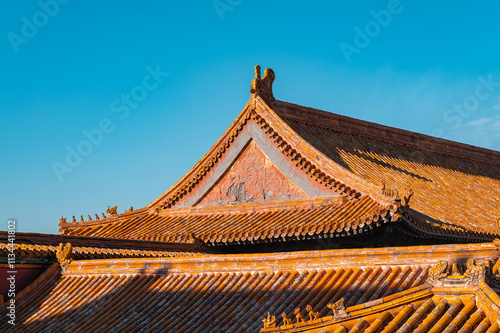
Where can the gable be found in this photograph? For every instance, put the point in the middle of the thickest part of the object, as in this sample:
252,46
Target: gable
253,177
251,169
281,155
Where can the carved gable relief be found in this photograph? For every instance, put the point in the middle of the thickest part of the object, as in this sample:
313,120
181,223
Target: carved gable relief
252,178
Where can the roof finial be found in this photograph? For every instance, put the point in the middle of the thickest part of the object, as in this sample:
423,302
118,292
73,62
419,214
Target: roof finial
63,255
257,72
111,210
338,309
263,87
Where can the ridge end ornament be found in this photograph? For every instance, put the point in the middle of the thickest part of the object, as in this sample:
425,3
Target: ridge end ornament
263,87
63,255
338,309
111,210
269,322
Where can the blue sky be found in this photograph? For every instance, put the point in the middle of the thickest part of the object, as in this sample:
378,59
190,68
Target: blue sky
69,69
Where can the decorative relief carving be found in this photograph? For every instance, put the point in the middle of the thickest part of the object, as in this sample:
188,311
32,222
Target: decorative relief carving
112,210
338,309
312,314
252,178
298,316
269,322
286,321
474,273
439,271
263,87
63,255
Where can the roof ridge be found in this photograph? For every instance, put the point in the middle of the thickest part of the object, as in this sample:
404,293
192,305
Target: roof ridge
382,132
330,173
271,123
422,255
115,244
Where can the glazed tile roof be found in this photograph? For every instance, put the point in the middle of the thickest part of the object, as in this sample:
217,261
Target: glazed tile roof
228,293
415,310
32,245
447,177
363,167
84,252
248,223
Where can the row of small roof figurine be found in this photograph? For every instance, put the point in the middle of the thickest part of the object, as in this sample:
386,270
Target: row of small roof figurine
337,307
111,211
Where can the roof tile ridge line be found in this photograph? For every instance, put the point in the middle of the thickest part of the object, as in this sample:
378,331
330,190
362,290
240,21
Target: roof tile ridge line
490,299
378,305
108,220
390,301
29,247
382,216
121,251
205,164
142,244
462,147
281,260
339,184
25,296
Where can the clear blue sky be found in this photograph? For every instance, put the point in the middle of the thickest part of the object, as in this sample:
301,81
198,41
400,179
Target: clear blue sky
426,66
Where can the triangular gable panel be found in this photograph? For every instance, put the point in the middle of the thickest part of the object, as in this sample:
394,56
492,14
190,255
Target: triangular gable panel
253,170
253,177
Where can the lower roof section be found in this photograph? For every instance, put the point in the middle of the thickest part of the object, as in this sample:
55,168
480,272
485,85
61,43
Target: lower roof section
225,293
41,248
289,221
420,309
444,177
251,223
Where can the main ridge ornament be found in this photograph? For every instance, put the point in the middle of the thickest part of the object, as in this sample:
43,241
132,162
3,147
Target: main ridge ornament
263,87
